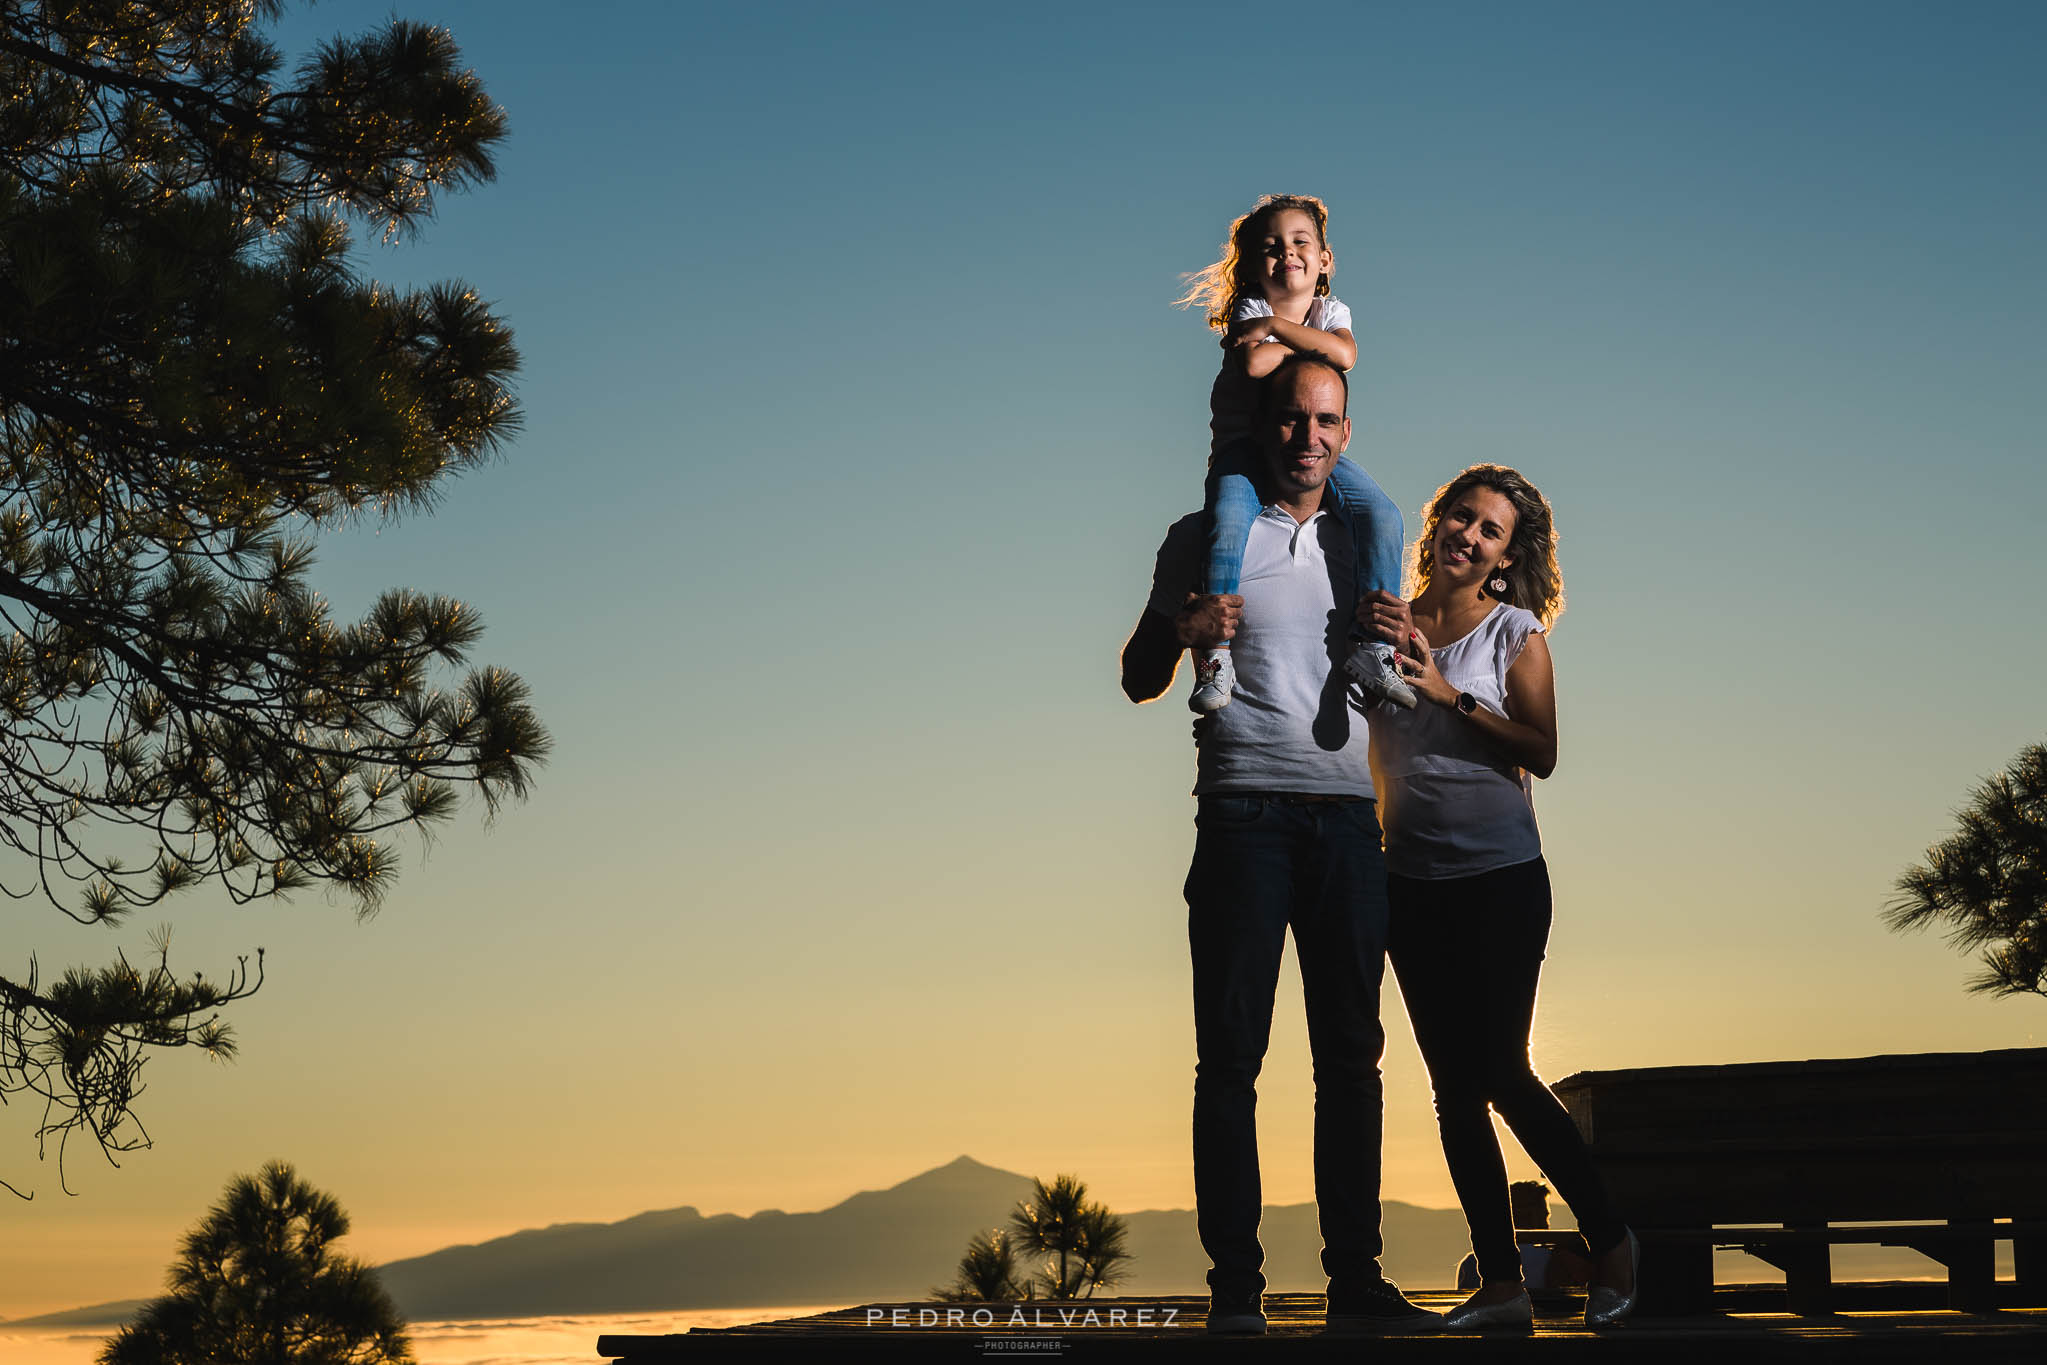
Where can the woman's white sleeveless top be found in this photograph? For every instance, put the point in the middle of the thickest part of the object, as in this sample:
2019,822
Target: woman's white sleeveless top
1452,805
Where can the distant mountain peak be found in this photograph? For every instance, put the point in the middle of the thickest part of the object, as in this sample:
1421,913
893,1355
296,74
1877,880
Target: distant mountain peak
961,1172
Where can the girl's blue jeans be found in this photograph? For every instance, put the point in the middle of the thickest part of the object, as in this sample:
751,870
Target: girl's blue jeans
1233,503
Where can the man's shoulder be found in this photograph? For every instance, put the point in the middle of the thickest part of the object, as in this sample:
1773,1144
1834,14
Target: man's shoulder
1187,536
1177,571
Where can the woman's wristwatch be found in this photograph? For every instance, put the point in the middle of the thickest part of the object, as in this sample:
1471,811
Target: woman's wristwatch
1466,703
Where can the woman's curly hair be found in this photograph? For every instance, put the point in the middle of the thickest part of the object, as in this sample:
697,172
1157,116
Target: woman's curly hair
1220,287
1534,581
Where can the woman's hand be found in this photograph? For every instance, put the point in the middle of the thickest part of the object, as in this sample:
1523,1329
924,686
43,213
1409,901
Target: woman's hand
1384,616
1422,674
1527,733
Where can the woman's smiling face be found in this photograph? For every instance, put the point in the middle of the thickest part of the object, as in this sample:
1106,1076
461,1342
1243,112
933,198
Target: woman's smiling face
1473,534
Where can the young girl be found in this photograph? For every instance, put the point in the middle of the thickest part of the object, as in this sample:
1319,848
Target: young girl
1269,296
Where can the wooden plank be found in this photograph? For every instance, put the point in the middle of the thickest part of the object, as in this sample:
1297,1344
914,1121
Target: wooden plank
1673,1189
1915,1095
1912,1235
1296,1319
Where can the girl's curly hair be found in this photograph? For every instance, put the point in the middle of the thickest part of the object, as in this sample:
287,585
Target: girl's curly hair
1219,288
1534,581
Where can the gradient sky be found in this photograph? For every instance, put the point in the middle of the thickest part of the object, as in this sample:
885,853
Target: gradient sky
855,410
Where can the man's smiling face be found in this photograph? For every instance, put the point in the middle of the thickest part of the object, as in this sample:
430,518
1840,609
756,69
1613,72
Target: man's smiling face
1305,429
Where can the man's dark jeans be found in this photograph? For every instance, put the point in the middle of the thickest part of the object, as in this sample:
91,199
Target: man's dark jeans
1262,865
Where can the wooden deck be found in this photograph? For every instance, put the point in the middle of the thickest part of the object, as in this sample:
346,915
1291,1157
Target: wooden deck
1171,1328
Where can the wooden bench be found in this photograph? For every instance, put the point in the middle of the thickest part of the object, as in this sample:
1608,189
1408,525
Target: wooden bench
1945,1153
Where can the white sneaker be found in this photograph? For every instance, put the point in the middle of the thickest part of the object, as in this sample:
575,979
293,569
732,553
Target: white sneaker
1371,666
1514,1315
1214,676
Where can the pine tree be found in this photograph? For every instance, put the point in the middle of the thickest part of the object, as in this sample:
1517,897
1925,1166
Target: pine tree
194,382
1988,881
986,1274
258,1282
1082,1241
1104,1250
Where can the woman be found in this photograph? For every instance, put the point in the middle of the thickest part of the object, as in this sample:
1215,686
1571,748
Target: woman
1469,890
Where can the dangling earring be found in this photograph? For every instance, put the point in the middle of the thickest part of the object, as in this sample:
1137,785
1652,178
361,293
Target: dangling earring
1497,584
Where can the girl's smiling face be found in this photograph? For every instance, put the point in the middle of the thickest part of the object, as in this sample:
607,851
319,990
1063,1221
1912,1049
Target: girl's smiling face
1473,535
1291,257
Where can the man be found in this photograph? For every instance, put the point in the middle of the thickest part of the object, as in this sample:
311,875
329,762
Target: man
1288,837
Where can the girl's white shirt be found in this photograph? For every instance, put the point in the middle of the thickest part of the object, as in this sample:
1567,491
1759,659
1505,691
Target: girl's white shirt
1232,398
1325,314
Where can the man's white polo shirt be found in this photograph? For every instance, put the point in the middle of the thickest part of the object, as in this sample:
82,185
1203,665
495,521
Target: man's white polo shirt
1289,725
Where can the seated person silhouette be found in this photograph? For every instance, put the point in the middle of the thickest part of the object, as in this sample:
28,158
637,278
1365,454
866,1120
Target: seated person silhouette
1552,1269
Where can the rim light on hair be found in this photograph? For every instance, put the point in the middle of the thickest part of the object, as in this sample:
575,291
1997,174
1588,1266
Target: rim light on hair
1534,582
1221,286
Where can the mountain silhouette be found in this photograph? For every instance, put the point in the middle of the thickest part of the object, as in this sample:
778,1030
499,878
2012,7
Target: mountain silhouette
878,1246
895,1242
889,1245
